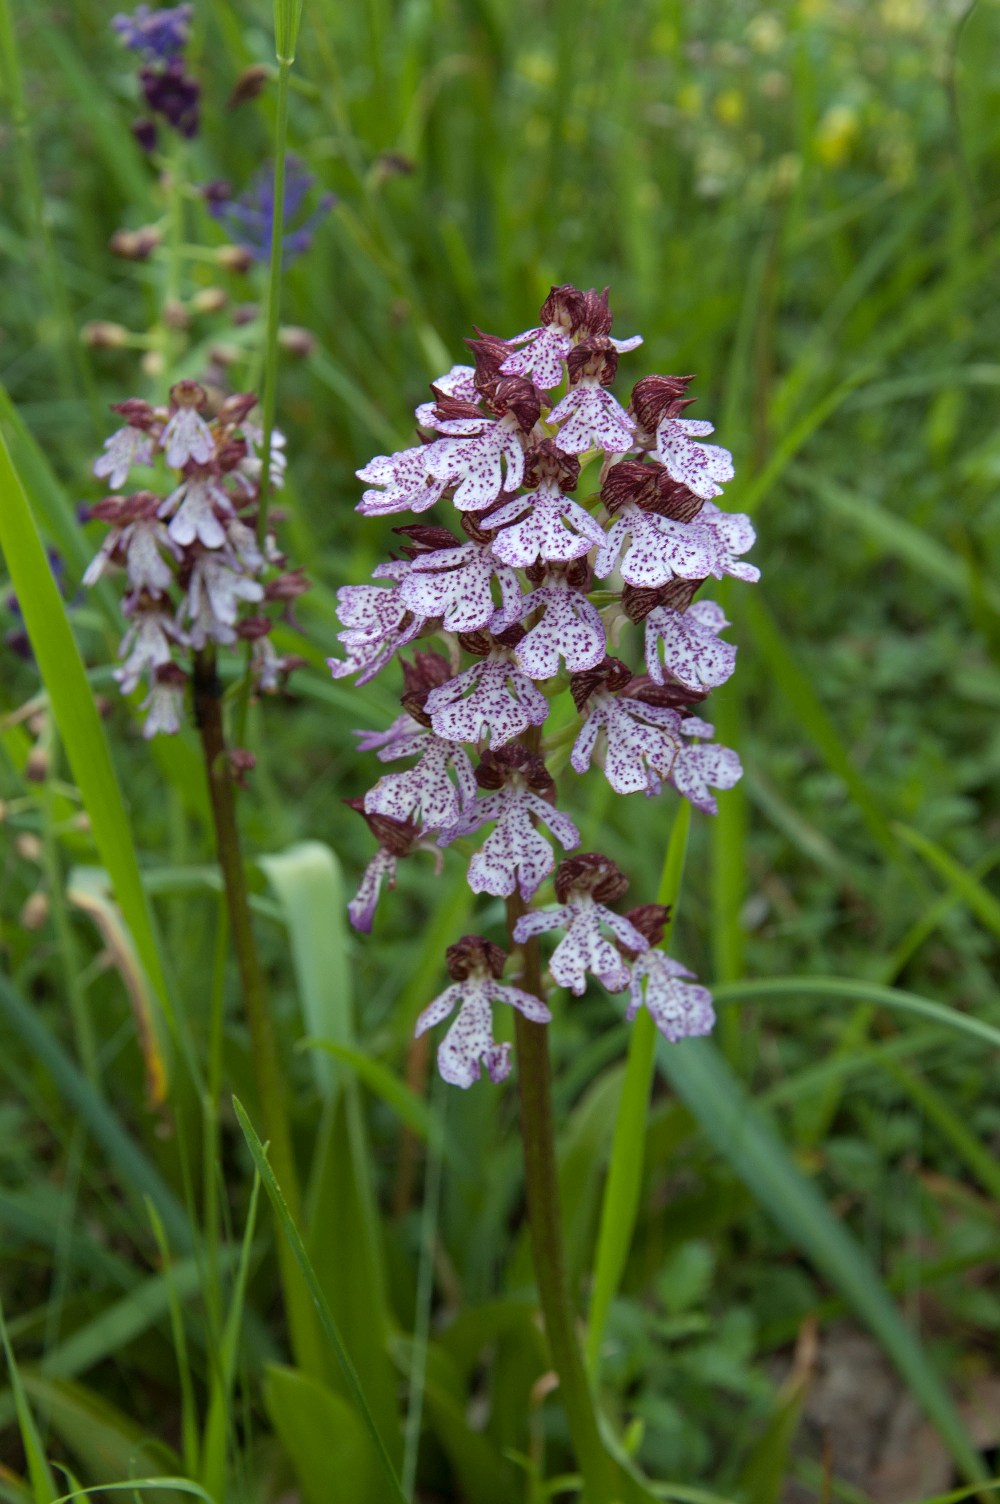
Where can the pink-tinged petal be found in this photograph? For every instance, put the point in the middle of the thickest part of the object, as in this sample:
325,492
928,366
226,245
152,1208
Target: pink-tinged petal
401,482
691,651
544,357
679,1010
425,792
663,549
693,725
536,923
560,824
611,547
437,1011
525,1002
697,769
469,1040
571,629
187,437
583,747
695,428
701,467
624,930
623,346
361,908
124,449
501,705
592,419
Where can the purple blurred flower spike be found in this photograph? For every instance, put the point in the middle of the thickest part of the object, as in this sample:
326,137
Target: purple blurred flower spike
248,219
160,35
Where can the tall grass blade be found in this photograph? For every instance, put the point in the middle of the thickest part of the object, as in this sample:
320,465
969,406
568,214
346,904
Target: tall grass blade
327,1322
76,715
620,1205
43,1486
982,903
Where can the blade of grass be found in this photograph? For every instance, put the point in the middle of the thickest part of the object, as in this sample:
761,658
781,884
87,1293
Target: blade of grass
982,903
43,1486
862,992
76,715
620,1203
220,1411
327,1322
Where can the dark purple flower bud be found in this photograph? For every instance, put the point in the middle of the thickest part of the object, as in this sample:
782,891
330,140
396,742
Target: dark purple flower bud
495,768
594,356
657,397
144,131
592,873
612,674
650,919
427,671
517,395
638,602
547,462
170,92
473,953
398,837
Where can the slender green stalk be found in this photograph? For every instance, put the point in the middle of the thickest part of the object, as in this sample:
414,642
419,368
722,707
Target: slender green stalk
542,1186
266,1060
621,1192
273,305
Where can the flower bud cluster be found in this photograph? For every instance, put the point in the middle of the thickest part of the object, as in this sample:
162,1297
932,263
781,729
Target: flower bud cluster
545,483
194,571
160,37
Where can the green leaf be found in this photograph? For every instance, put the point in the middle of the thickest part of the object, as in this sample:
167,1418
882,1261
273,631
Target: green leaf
76,715
327,1322
742,1137
326,1442
411,1110
307,881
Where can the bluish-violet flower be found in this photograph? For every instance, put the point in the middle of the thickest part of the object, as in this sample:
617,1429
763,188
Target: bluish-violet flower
249,219
159,35
172,93
516,854
584,886
475,966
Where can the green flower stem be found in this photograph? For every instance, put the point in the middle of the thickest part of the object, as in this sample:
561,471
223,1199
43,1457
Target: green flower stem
542,1185
273,307
269,1076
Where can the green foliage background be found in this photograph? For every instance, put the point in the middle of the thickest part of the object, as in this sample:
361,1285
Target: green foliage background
798,202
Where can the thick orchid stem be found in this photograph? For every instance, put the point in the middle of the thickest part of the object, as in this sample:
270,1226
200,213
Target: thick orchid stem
269,1075
542,1185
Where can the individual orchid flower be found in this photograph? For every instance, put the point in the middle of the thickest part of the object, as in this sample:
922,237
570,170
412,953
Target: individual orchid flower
704,766
584,886
126,448
641,738
187,436
516,855
590,416
570,627
456,584
678,1009
491,700
475,966
212,603
402,482
687,646
375,624
658,402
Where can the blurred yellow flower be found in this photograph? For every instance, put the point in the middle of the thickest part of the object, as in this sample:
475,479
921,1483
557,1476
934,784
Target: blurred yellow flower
730,106
836,134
